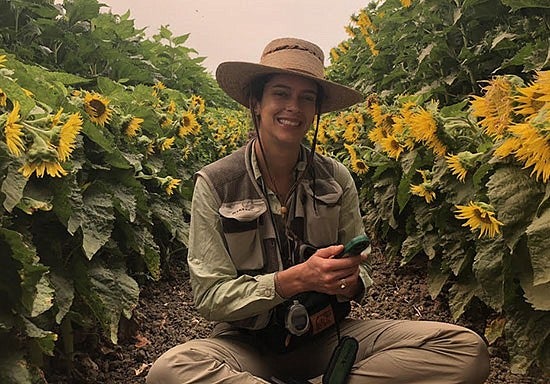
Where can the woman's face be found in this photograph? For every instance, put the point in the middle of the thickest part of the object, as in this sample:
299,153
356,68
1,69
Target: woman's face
287,109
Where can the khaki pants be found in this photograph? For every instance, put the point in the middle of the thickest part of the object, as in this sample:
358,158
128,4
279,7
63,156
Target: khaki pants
390,351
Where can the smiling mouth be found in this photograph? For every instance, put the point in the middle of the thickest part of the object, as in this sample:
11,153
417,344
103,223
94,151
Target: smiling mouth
292,123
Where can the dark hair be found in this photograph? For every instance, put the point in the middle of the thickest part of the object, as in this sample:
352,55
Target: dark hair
257,86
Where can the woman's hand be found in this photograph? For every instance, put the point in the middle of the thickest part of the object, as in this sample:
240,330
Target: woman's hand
322,273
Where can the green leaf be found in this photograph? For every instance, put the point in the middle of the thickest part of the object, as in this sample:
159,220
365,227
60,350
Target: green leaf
13,186
436,278
43,299
384,199
411,247
461,293
526,333
30,270
14,369
97,220
125,202
518,4
538,242
489,269
67,203
45,339
64,295
110,293
516,197
15,93
172,216
142,241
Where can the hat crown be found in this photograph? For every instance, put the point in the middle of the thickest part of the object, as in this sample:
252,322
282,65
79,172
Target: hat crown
295,55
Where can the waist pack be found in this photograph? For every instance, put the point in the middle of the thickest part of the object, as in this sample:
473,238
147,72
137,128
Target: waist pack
323,312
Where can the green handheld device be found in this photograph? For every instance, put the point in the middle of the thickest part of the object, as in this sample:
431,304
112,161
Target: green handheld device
354,247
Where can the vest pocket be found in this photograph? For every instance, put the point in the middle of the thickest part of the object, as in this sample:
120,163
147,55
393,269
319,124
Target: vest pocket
240,223
321,212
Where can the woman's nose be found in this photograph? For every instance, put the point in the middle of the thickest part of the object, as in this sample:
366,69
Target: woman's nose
293,104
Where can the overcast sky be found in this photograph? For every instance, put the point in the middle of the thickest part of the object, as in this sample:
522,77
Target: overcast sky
224,30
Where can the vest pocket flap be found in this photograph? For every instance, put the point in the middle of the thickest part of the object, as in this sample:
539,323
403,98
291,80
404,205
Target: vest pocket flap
326,191
241,216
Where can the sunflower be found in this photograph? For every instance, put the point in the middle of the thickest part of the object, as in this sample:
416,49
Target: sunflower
334,56
188,125
132,126
52,168
97,107
2,60
197,104
534,150
67,136
3,98
380,118
423,190
349,30
456,167
479,215
461,163
495,108
359,167
533,98
13,133
406,3
424,130
171,185
507,147
159,86
351,134
167,143
392,147
57,117
27,92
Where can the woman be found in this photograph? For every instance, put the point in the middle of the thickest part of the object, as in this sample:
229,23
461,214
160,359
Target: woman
267,223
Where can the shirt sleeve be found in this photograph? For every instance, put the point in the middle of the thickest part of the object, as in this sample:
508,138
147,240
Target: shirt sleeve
351,222
220,294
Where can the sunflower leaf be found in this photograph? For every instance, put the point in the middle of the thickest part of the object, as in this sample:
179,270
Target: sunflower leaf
489,269
538,243
110,293
516,197
13,186
97,220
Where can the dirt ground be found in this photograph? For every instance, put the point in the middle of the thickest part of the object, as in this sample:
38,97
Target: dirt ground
166,317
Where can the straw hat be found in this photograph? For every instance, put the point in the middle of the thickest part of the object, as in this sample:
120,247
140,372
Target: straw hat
285,56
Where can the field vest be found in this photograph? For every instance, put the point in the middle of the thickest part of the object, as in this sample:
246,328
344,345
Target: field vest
248,229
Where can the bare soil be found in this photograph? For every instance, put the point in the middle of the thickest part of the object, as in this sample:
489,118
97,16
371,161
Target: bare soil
166,317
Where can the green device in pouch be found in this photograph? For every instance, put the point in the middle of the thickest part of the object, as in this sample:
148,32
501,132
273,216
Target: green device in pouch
341,361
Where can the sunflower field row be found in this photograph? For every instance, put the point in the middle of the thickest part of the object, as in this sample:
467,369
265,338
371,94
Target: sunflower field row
452,152
466,186
96,185
96,174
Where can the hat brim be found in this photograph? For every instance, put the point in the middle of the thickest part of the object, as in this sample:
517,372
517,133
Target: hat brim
234,77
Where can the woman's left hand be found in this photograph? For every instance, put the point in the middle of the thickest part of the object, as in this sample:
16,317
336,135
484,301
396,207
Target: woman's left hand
322,273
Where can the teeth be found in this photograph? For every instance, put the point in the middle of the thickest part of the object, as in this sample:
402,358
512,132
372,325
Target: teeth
289,122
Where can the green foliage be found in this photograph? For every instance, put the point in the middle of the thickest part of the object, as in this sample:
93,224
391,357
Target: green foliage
486,163
80,232
442,49
78,38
